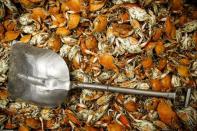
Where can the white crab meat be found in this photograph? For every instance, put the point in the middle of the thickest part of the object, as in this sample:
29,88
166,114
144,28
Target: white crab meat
64,50
73,51
3,66
81,76
186,43
25,19
138,13
123,1
176,81
39,38
128,46
29,29
190,26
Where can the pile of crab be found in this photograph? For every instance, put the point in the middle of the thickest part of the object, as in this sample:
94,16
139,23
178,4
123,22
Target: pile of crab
142,44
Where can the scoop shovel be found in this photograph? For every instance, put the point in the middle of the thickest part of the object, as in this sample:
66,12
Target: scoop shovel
42,77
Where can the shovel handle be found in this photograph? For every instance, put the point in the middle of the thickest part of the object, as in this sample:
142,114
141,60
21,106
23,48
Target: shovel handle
170,95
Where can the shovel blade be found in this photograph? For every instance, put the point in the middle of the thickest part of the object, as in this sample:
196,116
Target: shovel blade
39,65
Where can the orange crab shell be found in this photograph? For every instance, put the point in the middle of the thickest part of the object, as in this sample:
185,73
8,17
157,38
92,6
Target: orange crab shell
4,94
135,24
72,5
96,5
59,20
54,10
177,5
63,31
73,21
26,3
170,28
150,46
184,61
130,106
91,42
123,119
25,38
11,35
147,63
39,13
156,84
121,30
183,71
9,25
183,20
166,114
157,34
194,38
107,61
49,124
10,125
124,17
100,23
166,83
162,64
114,126
159,48
91,128
72,117
33,123
55,43
23,128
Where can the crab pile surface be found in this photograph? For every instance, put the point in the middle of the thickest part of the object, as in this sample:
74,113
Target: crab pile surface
143,44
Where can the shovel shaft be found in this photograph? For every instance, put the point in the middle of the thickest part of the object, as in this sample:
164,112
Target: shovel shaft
170,95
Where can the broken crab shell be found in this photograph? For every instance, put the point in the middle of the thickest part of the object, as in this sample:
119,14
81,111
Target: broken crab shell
159,48
39,13
166,83
100,23
177,5
91,42
147,63
156,84
72,5
62,31
166,114
11,35
183,71
25,38
73,21
33,123
107,61
95,5
54,43
114,126
28,4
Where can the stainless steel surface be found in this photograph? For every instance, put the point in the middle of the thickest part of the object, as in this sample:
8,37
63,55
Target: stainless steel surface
37,75
41,76
169,95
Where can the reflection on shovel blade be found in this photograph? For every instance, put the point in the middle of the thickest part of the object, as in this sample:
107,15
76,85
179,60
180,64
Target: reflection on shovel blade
32,63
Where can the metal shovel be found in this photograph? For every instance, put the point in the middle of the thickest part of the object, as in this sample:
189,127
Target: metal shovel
42,77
